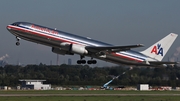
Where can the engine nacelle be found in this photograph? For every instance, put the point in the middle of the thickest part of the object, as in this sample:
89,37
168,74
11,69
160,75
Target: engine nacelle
65,46
79,49
60,51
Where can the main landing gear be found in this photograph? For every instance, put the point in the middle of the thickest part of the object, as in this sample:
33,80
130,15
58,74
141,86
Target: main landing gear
84,61
17,43
81,61
91,61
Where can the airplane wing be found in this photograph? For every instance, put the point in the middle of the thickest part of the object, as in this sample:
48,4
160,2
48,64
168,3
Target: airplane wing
112,48
162,62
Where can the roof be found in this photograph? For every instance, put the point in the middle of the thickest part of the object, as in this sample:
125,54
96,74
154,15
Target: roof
31,80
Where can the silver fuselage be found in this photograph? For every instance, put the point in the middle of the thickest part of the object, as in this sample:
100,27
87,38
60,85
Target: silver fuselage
53,38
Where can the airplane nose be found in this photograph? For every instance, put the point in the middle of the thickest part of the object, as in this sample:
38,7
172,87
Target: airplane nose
8,27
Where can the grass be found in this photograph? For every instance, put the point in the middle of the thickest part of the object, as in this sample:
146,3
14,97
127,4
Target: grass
85,92
90,98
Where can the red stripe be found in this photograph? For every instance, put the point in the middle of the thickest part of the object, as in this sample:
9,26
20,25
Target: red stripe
62,40
36,33
126,57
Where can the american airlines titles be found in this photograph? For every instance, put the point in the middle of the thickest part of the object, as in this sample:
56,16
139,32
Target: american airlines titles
46,30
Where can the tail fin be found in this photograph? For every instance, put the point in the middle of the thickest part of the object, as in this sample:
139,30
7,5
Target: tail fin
159,49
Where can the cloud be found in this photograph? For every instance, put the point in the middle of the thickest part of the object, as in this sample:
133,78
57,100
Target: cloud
3,57
175,55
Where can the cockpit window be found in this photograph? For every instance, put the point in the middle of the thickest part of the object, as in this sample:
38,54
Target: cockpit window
15,24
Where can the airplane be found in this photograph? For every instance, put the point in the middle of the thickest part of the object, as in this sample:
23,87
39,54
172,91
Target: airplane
69,44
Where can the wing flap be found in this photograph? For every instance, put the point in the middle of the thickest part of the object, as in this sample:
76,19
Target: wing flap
162,62
112,48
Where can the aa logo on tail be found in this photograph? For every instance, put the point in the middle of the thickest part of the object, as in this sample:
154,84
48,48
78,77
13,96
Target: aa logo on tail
157,50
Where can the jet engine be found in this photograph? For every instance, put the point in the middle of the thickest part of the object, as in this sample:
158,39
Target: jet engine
79,49
60,51
68,48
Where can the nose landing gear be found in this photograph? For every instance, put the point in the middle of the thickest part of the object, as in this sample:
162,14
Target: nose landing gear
17,43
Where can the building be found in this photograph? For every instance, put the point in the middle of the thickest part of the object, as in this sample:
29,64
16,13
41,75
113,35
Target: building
69,61
143,87
34,84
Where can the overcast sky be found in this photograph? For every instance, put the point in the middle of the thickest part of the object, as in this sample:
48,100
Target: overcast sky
118,22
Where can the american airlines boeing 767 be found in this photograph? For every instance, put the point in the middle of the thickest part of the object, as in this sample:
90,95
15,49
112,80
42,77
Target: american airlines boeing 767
69,44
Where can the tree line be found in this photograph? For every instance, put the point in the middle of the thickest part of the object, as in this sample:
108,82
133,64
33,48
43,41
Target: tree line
83,75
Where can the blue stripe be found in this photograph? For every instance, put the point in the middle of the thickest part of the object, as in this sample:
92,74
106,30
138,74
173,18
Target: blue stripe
59,36
141,58
85,42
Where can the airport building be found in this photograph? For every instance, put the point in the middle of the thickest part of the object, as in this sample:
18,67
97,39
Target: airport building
143,87
34,84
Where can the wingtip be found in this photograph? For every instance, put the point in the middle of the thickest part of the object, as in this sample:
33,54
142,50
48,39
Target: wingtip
141,45
174,34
